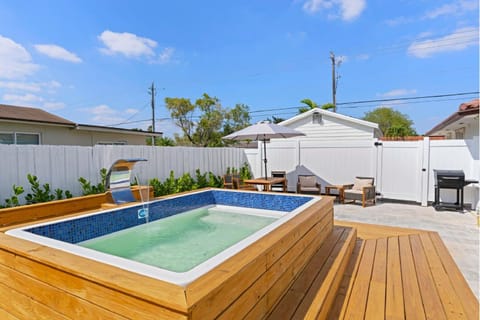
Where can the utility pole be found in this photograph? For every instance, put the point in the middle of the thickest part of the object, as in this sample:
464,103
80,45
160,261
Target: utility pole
152,91
334,82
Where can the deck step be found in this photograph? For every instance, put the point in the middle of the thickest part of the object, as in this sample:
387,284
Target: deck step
312,294
403,277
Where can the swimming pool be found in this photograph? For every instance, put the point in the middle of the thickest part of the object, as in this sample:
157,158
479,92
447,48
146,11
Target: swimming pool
73,235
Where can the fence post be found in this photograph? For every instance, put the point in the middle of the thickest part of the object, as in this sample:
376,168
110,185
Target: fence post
425,170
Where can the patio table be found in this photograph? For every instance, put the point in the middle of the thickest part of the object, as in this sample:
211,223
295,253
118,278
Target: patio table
267,183
339,187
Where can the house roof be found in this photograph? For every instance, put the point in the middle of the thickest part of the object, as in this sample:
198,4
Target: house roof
15,113
334,115
467,111
39,116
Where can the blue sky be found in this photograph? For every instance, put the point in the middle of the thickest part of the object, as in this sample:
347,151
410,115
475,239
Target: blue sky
93,61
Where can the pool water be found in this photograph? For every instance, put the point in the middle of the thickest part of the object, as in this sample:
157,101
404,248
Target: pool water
181,242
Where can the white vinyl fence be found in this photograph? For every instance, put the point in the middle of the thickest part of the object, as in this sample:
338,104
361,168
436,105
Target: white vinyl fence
61,166
403,170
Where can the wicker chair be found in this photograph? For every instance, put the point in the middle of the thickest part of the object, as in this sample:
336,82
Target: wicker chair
227,180
239,184
362,190
308,184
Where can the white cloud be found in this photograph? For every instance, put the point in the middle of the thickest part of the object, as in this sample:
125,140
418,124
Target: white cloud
348,9
26,99
166,55
363,56
30,86
128,44
399,21
398,93
57,52
459,40
105,115
15,61
51,105
458,7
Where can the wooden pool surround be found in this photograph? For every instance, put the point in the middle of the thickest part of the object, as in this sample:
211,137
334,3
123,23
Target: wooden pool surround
49,283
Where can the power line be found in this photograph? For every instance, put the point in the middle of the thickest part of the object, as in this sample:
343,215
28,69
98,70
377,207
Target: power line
411,98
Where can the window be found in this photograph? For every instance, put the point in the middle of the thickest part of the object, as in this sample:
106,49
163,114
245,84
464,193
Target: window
114,143
460,133
7,138
27,138
19,138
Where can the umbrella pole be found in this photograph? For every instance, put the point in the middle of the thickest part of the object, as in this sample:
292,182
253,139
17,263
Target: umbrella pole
265,156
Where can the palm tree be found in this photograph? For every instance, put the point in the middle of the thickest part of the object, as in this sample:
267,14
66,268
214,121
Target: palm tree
310,105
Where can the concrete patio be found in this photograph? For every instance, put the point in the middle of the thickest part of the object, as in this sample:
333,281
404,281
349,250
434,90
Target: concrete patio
459,231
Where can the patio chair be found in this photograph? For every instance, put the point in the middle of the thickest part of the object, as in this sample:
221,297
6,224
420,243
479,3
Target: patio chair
362,190
227,180
282,187
308,184
239,184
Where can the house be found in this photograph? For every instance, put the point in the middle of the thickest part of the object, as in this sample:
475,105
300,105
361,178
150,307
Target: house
323,124
23,125
463,124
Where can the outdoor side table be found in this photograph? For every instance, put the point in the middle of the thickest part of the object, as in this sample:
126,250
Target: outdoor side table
339,187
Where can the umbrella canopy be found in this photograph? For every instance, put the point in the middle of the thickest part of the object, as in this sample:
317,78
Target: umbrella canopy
263,131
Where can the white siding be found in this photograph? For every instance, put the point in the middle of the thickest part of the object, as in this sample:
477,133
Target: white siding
332,129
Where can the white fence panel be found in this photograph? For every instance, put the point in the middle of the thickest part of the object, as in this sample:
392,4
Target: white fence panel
401,170
338,162
61,166
454,155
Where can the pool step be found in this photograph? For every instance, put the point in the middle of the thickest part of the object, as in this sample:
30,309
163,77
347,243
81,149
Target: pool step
313,292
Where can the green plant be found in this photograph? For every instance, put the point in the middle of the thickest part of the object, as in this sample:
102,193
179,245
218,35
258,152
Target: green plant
13,200
202,181
88,188
245,172
214,181
186,183
39,193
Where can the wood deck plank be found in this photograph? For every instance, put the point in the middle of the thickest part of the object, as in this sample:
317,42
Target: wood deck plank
411,291
358,300
5,315
376,294
451,302
394,308
460,285
431,301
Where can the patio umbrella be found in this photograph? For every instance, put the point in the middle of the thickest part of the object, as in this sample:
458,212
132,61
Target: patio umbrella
263,131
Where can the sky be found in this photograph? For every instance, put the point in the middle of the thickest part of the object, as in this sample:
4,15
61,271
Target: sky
92,62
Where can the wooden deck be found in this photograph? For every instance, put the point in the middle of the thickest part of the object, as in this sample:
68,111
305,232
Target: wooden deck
392,273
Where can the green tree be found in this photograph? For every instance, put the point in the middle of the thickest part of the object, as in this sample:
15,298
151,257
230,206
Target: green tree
310,104
328,106
391,122
208,128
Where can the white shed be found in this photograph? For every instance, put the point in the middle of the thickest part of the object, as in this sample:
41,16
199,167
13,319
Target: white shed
335,148
323,124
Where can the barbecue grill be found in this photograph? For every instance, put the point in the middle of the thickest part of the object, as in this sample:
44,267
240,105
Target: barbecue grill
450,179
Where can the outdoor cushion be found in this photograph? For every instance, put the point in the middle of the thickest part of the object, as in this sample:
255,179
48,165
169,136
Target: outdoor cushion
310,189
307,182
360,183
